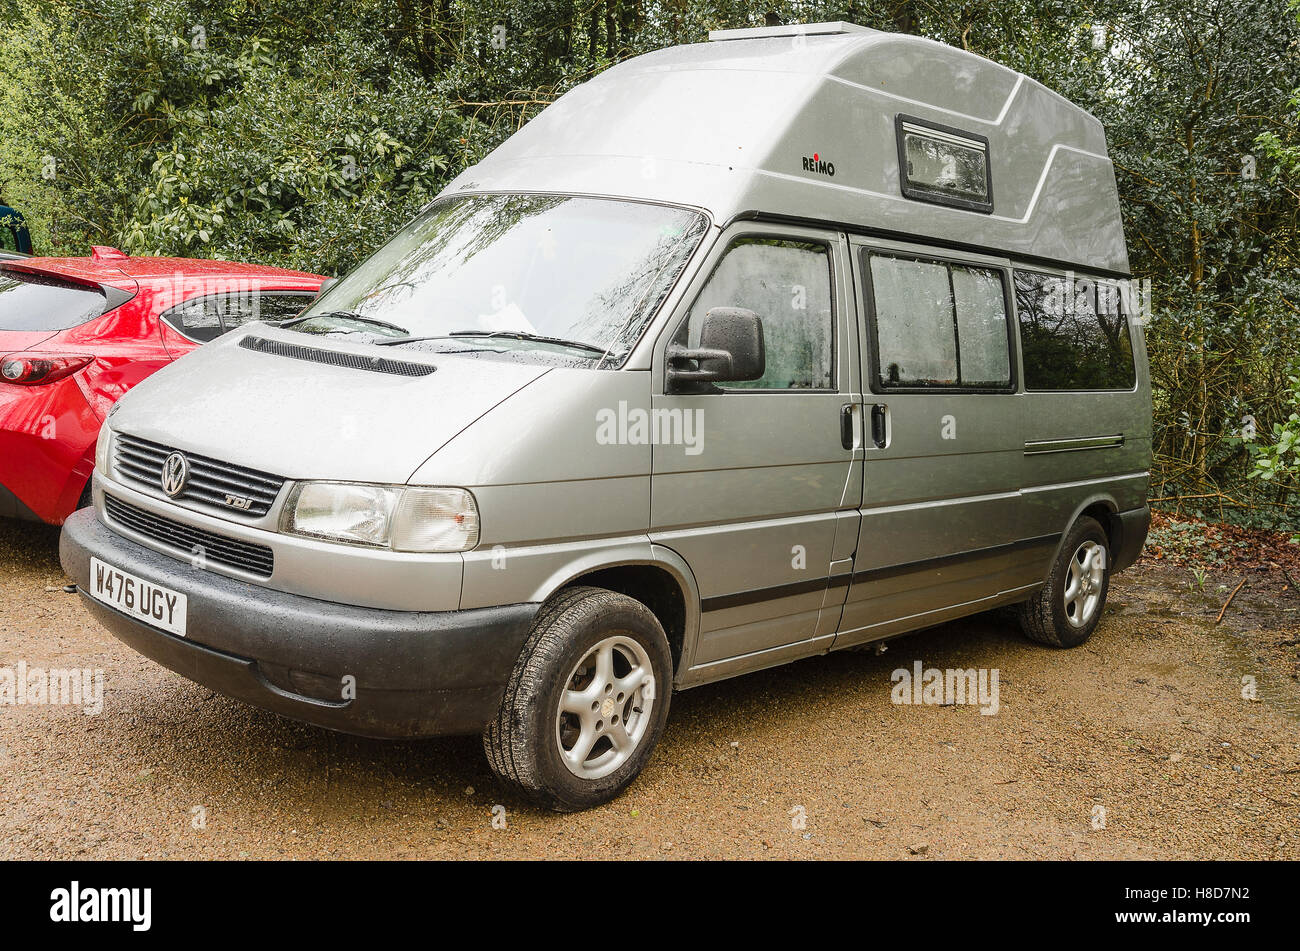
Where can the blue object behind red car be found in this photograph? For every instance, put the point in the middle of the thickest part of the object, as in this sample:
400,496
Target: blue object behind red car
14,236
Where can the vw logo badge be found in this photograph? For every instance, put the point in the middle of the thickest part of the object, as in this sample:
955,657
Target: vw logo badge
175,474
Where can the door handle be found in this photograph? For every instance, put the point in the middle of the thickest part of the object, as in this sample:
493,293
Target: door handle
879,435
846,426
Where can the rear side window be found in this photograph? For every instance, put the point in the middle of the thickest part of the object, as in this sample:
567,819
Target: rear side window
938,325
41,302
1074,334
206,318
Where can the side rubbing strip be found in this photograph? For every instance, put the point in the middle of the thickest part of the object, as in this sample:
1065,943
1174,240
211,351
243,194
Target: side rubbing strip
1038,446
944,561
757,595
762,594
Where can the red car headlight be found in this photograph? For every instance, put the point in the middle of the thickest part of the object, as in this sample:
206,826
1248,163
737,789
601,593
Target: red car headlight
37,369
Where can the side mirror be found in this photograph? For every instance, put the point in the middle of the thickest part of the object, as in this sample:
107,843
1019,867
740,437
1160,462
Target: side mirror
325,285
731,350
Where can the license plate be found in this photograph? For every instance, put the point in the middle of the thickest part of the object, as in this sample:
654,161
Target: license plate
138,597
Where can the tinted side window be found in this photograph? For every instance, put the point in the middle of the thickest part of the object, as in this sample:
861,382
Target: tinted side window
206,318
914,327
37,302
197,319
1074,334
278,307
938,324
269,306
788,284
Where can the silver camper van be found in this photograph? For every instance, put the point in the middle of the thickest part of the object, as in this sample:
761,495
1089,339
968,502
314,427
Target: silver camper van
741,352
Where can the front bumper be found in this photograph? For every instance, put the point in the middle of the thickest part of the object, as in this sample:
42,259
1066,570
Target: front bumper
415,673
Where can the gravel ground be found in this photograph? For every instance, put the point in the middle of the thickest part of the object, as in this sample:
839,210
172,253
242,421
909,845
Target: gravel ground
1146,722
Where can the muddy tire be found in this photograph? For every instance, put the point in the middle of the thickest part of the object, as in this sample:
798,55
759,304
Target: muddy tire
586,703
1068,608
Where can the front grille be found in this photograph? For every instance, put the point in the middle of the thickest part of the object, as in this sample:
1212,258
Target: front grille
336,358
190,541
140,461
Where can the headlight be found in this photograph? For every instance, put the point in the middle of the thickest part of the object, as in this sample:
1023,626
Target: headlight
403,518
102,455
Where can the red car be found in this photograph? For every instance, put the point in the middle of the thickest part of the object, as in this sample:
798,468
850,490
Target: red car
77,333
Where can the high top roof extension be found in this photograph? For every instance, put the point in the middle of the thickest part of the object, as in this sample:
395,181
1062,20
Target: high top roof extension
729,126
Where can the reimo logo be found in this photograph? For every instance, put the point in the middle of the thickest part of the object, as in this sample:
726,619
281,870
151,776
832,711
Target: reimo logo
815,163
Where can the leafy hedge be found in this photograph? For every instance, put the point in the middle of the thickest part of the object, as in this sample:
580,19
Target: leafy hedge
303,132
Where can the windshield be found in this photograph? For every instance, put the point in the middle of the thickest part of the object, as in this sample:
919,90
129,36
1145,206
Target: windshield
577,276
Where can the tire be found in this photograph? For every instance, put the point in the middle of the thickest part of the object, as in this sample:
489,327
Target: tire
1049,617
578,638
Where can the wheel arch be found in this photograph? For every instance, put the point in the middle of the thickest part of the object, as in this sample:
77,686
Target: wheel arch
663,582
1101,506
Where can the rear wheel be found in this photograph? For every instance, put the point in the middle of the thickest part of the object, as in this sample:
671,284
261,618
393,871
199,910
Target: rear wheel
1067,609
586,703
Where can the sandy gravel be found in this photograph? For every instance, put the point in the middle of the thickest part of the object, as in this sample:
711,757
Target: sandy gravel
1146,721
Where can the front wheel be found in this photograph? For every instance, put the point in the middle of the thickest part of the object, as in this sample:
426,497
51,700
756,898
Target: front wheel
586,703
1067,609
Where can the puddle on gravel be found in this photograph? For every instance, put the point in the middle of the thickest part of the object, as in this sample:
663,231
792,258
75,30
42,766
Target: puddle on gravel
1270,686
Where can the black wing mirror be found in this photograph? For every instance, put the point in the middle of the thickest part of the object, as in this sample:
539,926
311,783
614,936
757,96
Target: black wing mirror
731,350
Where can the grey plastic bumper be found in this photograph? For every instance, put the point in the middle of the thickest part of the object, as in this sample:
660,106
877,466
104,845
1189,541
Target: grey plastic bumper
415,673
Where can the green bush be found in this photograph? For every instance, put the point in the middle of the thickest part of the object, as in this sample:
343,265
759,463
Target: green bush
303,132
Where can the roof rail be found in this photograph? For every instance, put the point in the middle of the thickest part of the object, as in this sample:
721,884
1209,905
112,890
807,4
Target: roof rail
792,29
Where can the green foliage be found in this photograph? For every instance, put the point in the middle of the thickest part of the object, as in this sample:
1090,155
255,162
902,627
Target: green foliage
214,130
303,132
1210,219
310,169
1277,458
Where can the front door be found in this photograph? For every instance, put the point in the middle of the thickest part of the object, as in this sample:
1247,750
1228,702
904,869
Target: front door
762,500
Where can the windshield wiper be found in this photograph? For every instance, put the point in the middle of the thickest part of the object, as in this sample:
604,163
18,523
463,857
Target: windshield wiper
346,315
507,334
535,338
398,341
